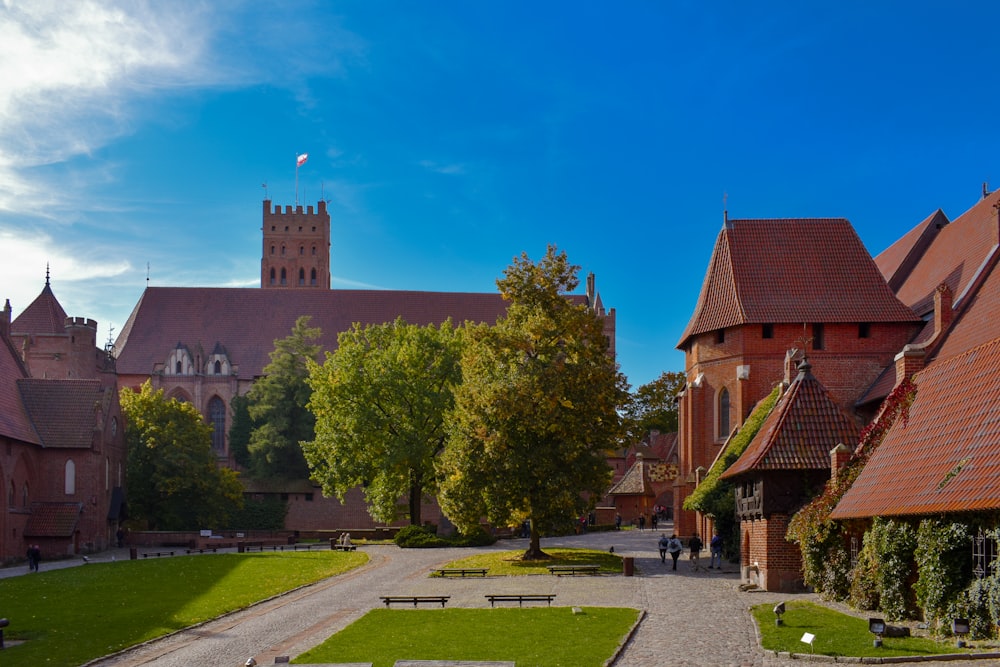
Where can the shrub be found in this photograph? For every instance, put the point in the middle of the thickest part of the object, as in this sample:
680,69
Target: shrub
888,566
418,537
944,568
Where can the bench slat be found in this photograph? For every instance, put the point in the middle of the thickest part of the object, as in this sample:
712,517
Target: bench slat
415,599
539,597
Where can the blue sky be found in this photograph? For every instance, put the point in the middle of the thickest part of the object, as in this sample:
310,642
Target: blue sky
449,137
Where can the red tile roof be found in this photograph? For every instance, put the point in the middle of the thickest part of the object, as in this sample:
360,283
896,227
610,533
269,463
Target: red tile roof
247,321
63,412
636,480
976,322
53,519
14,421
43,316
800,431
896,261
792,271
954,256
946,456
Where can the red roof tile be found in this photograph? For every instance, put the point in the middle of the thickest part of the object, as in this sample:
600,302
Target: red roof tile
954,257
946,456
635,481
800,431
976,322
64,412
896,261
53,519
14,421
792,271
43,316
247,321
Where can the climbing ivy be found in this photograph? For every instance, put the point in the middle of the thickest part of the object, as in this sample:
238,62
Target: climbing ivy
812,529
944,569
883,575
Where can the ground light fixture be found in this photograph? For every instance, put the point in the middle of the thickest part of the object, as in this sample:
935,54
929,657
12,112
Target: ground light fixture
876,626
960,628
779,609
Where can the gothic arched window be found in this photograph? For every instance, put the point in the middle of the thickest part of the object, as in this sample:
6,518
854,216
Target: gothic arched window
312,277
302,277
218,367
272,276
284,277
723,424
217,415
70,478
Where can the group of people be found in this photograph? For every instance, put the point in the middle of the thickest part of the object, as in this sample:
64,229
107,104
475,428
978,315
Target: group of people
34,557
672,545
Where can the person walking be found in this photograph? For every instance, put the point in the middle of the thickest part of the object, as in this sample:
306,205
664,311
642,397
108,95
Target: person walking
715,548
674,548
618,521
694,544
664,545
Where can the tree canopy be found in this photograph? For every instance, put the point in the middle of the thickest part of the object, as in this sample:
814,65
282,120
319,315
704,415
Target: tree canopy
172,477
380,402
277,407
652,406
537,412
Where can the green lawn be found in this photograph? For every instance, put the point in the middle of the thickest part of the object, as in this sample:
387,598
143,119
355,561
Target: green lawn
505,563
73,615
537,637
835,634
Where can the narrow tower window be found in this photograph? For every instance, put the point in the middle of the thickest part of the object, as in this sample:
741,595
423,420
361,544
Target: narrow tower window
723,413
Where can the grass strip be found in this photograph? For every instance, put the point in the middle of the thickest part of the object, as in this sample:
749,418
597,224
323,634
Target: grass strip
507,563
73,615
836,634
537,637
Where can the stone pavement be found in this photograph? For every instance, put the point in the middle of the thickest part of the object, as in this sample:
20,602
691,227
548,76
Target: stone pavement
691,618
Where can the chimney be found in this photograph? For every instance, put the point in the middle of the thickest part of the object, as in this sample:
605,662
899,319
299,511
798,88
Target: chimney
591,291
839,456
943,311
792,359
908,362
5,320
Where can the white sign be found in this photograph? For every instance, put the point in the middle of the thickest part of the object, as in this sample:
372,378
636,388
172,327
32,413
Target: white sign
807,638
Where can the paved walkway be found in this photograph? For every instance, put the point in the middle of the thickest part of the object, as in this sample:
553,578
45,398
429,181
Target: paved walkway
692,618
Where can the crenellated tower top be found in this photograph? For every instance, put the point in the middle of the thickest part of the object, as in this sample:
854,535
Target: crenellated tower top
296,250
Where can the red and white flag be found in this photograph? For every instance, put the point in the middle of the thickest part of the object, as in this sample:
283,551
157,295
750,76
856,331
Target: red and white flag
301,160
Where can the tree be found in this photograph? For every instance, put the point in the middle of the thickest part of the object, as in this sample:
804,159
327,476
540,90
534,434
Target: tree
652,406
380,402
536,414
277,406
173,480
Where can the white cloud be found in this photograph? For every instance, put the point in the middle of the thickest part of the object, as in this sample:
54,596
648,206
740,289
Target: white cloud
450,169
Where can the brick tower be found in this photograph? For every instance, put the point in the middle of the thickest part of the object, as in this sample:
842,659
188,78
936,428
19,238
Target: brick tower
296,250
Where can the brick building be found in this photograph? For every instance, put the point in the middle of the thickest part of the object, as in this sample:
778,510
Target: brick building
207,345
927,312
771,286
62,450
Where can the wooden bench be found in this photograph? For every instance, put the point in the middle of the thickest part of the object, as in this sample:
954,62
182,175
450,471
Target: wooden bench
520,599
157,554
344,547
462,571
573,569
201,551
415,599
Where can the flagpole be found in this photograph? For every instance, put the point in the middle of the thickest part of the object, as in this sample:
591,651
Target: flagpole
296,180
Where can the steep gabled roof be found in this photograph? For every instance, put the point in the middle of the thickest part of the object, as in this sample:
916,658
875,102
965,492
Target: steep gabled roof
955,256
63,412
792,271
946,456
896,261
976,321
14,421
43,316
635,482
247,321
799,432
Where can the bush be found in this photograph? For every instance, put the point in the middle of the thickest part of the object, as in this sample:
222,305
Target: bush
944,569
418,537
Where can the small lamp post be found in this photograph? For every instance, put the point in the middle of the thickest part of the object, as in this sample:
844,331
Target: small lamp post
876,626
960,628
779,609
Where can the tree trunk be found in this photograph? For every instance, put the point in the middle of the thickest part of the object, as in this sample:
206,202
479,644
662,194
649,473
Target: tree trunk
415,493
534,551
